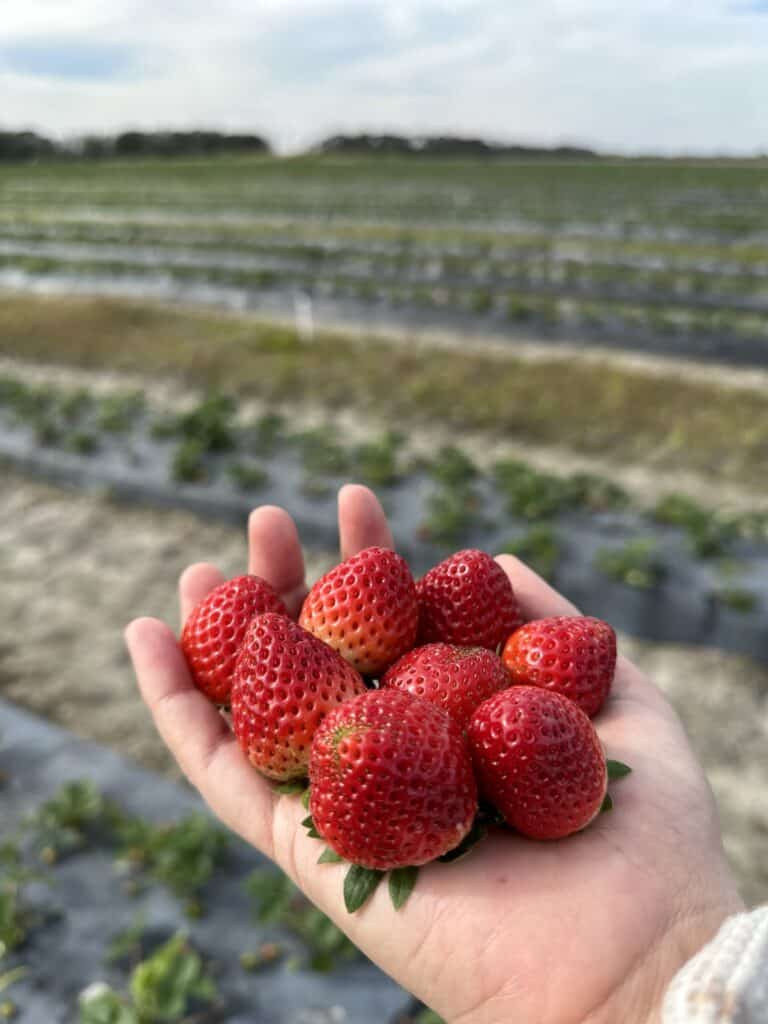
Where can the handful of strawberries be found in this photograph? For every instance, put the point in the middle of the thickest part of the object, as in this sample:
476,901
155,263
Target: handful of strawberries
421,712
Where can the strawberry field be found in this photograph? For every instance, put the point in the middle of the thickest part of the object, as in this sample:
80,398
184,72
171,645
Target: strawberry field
564,361
657,257
669,570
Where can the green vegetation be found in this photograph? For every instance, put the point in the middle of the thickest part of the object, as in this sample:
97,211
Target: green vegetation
276,900
167,986
709,534
450,514
637,563
594,409
181,856
247,476
376,462
539,547
738,599
534,494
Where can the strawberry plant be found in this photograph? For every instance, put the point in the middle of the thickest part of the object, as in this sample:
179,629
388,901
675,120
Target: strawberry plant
188,462
276,900
539,547
168,986
247,476
636,563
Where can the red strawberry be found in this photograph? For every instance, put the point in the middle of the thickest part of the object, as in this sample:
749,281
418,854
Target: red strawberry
214,631
467,600
538,759
457,679
285,682
391,781
572,655
365,609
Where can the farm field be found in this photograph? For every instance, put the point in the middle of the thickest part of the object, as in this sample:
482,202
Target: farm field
661,257
564,361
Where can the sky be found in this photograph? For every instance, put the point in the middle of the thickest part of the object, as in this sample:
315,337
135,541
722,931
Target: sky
678,76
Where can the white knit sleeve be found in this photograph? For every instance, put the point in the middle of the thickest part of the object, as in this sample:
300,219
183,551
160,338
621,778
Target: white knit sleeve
727,981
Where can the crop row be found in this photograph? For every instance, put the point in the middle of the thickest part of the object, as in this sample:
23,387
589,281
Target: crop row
502,241
526,266
544,195
211,442
518,306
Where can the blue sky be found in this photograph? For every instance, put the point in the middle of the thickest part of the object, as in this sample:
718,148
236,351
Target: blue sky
690,76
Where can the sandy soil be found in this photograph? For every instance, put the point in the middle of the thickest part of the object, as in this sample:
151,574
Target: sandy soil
75,568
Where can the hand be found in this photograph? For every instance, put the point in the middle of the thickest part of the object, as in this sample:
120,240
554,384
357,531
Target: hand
588,929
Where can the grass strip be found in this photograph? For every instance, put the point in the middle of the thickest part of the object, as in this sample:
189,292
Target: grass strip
603,409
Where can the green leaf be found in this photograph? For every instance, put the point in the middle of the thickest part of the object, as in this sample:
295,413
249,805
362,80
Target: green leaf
478,832
329,856
9,977
607,804
309,824
305,798
102,1005
617,770
401,883
291,788
163,986
359,884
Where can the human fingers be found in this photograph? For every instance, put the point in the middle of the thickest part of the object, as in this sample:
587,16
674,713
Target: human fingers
362,522
194,583
274,553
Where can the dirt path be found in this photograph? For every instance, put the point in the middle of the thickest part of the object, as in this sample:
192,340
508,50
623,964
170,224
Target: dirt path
74,569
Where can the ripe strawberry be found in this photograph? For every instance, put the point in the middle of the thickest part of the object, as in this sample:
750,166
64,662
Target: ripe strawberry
457,679
538,759
391,781
572,655
214,631
365,609
467,600
286,681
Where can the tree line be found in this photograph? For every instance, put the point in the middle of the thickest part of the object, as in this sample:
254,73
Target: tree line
24,146
28,145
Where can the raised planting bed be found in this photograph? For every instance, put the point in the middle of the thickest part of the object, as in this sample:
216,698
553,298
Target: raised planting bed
702,332
675,571
129,885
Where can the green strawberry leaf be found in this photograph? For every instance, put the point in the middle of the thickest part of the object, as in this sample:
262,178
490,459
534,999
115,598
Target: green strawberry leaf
305,798
291,787
478,832
607,804
309,824
401,883
617,770
329,856
359,884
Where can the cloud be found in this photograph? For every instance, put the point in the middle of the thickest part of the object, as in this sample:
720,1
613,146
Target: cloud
611,73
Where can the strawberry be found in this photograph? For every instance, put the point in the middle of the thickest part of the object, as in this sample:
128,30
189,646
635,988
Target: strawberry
538,759
467,600
286,681
573,655
457,679
214,631
391,781
365,608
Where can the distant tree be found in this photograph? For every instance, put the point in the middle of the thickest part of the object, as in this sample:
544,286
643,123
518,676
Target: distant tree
25,146
444,146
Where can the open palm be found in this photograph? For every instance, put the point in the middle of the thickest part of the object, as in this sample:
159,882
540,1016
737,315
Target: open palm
587,929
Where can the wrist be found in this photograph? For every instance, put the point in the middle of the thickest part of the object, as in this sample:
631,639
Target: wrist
640,998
